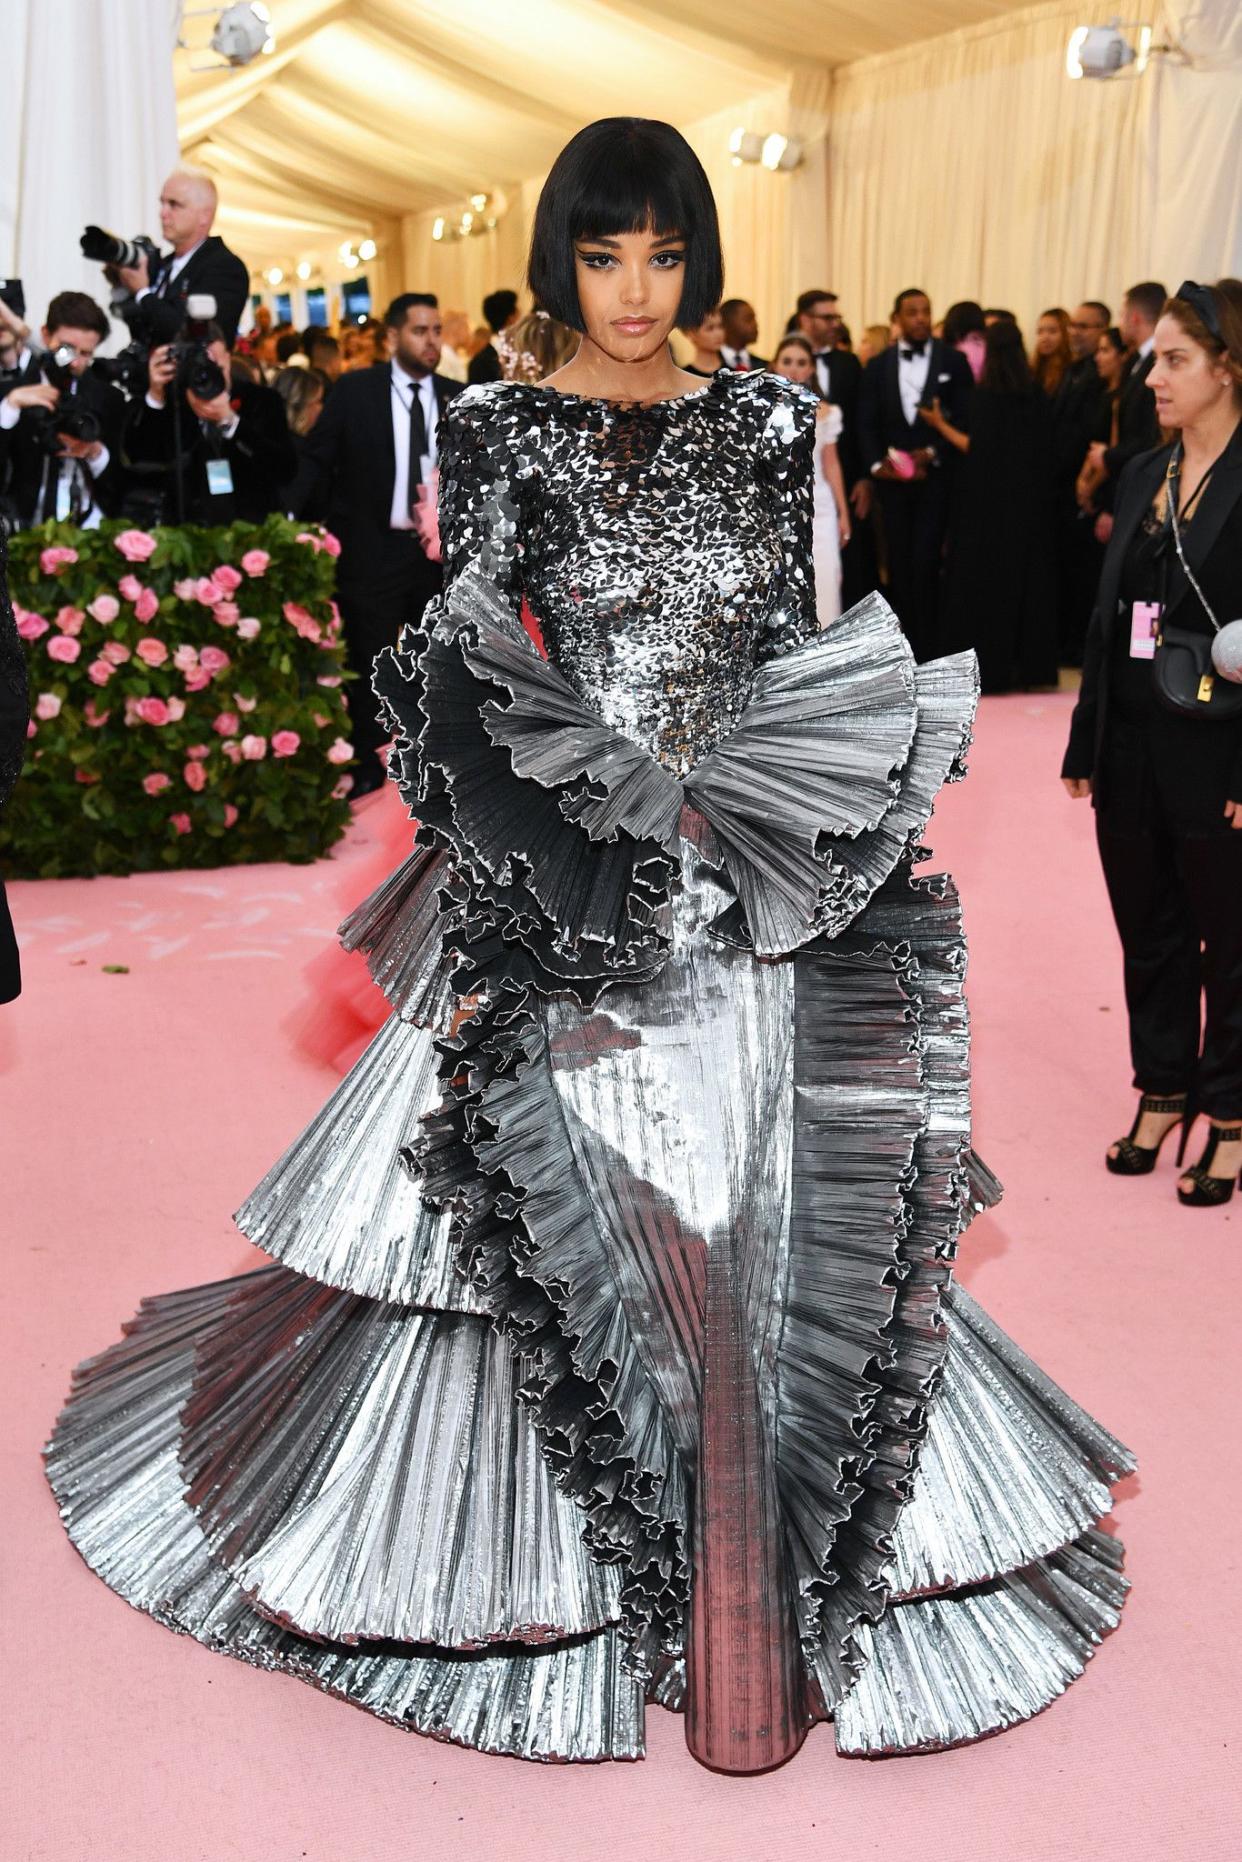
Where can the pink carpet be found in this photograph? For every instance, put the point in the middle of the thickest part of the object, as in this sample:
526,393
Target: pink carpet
138,1109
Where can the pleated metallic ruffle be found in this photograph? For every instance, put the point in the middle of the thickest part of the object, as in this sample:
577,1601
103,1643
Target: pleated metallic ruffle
113,1465
400,928
345,1205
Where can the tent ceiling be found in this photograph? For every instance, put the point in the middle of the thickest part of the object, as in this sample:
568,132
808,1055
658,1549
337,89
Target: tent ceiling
370,110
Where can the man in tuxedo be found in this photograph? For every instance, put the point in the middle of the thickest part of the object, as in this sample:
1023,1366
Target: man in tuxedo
46,473
1138,428
500,312
839,374
199,265
908,375
376,444
741,328
236,453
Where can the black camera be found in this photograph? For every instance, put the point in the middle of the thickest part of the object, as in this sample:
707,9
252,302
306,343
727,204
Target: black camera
109,250
69,420
157,321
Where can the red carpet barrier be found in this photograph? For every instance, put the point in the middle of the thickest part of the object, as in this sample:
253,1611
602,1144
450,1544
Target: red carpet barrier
186,696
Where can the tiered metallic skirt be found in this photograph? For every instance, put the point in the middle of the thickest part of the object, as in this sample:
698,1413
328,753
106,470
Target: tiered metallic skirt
611,1353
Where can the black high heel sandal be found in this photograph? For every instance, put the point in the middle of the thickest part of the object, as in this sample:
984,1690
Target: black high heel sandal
1209,1191
1139,1160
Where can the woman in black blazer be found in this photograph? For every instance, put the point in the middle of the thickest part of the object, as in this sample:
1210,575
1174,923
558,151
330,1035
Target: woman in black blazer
1168,788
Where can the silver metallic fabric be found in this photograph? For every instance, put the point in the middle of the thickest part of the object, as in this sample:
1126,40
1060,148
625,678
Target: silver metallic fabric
611,1352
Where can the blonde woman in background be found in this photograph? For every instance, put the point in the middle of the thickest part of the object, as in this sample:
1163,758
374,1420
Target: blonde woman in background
875,340
795,360
535,346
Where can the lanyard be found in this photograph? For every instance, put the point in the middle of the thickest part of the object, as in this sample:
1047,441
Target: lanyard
1174,474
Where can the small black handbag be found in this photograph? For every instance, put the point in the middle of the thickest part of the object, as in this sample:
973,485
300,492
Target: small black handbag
1186,681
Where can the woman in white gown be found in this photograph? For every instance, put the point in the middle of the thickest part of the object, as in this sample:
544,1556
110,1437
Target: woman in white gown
795,360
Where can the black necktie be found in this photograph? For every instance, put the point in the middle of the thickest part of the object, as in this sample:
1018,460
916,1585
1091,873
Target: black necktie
914,349
418,445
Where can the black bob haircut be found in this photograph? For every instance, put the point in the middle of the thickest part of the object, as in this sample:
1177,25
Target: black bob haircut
625,174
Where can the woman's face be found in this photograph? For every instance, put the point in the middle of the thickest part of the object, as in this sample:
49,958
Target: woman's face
1108,361
794,363
710,333
1186,381
1047,336
629,291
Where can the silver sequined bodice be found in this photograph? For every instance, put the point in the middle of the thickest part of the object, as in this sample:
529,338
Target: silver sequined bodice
664,551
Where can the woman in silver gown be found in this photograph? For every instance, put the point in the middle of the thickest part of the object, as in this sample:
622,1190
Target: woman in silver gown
611,1353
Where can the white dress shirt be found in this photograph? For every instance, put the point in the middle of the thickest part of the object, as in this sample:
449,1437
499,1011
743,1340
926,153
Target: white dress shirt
912,380
404,388
735,358
174,272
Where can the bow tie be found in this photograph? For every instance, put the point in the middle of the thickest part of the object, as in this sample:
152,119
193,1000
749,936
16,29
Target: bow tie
911,350
822,355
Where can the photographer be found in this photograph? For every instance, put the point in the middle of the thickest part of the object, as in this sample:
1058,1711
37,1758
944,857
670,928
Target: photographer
200,264
227,441
60,423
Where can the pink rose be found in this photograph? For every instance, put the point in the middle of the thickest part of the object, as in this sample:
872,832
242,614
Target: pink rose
131,713
341,751
206,591
226,613
321,721
330,679
181,823
214,660
227,578
70,620
186,589
156,784
176,709
105,609
130,587
231,749
199,750
64,648
47,706
230,814
185,658
255,562
147,605
136,545
304,622
197,679
227,724
100,671
195,777
84,775
56,558
243,703
254,749
93,715
151,652
342,788
285,743
31,728
247,627
115,652
29,625
331,544
151,711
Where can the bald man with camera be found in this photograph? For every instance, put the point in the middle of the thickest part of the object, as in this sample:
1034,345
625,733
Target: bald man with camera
200,264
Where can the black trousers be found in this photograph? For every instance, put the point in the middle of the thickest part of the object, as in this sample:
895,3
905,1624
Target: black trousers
1173,867
377,599
915,515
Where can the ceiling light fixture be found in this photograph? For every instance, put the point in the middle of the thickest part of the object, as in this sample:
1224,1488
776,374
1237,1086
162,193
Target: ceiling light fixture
241,33
1105,52
367,249
275,276
304,269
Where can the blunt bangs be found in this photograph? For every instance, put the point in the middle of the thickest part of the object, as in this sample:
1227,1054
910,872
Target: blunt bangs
625,174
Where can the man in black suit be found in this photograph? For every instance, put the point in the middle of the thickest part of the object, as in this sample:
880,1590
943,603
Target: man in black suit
911,373
1138,430
839,375
236,453
500,310
199,265
741,330
45,473
1078,409
375,445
